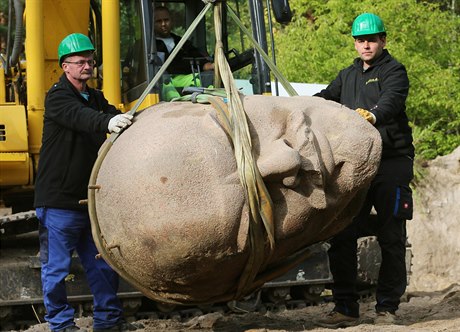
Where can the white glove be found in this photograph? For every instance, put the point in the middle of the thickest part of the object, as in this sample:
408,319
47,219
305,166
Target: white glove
118,122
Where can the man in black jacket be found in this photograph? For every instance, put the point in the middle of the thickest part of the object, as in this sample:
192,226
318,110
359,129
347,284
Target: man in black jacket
76,121
376,86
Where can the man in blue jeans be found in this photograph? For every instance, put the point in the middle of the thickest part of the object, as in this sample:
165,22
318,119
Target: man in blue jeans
376,86
76,121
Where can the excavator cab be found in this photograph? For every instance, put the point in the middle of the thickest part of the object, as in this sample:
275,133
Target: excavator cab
127,61
141,60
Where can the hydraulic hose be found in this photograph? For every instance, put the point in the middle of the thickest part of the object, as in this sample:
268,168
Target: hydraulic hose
19,33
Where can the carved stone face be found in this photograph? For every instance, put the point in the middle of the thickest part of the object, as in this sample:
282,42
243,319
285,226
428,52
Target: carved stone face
172,205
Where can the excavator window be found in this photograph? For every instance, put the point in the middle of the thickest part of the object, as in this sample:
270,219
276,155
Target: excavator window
133,52
185,68
235,43
139,58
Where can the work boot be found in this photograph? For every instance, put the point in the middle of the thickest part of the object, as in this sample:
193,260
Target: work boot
123,327
335,319
384,318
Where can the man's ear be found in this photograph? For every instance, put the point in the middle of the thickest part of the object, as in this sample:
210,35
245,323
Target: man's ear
293,160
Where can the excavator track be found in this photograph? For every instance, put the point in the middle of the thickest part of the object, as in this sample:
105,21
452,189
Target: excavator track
21,303
18,223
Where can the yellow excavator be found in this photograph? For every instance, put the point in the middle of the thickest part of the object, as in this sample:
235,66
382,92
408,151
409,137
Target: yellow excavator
122,32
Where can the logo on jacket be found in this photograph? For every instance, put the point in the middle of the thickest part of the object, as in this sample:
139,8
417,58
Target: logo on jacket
372,80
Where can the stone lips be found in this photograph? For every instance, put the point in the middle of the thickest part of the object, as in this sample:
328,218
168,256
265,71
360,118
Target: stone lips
172,214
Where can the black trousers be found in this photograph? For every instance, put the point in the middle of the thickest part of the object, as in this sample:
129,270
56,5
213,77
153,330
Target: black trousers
391,197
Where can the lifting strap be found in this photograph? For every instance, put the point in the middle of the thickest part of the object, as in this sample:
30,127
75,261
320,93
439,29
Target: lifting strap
230,112
234,121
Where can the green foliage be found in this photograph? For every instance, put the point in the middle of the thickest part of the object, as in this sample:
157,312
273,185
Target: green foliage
318,43
4,6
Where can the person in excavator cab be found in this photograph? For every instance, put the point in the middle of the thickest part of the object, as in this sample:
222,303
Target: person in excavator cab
189,62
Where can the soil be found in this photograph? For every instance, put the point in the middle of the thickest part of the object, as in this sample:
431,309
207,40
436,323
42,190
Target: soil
432,300
420,311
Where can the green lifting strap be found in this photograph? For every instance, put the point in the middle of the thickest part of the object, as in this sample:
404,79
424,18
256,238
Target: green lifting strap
200,95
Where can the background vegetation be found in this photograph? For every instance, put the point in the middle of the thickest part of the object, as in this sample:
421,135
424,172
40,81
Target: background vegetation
424,36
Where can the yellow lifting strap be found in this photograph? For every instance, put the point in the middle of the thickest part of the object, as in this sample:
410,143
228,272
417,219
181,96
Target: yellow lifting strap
258,197
234,121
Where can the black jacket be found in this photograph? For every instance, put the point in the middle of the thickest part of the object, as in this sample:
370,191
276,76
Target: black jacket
381,89
73,131
181,63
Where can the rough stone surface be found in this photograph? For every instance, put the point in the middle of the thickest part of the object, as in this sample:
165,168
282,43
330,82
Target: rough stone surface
172,207
434,231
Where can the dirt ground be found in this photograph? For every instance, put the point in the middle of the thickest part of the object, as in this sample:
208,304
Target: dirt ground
432,300
420,311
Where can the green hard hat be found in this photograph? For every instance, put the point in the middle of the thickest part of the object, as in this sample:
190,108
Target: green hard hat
73,43
367,24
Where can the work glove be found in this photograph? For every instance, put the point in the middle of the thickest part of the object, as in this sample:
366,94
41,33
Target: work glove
118,122
367,115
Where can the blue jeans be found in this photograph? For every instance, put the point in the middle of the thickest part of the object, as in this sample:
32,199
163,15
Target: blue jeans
61,232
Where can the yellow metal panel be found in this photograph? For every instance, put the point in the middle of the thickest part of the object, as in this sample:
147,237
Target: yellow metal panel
59,19
149,100
13,157
13,129
62,17
14,169
35,54
52,73
35,125
111,46
2,84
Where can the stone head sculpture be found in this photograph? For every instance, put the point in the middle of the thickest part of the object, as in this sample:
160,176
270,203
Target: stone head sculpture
170,213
